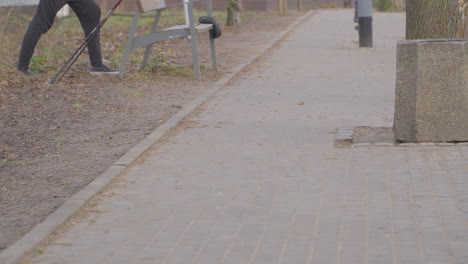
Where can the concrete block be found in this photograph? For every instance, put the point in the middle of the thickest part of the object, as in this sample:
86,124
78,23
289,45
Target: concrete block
431,99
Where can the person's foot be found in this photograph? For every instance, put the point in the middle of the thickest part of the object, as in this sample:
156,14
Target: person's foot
101,70
29,73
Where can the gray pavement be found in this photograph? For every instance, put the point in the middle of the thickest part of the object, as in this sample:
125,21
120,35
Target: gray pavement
18,2
253,176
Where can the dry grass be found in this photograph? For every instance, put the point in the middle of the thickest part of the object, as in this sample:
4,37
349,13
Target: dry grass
55,47
55,139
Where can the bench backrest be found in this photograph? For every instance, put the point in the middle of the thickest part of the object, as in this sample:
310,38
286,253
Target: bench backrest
150,5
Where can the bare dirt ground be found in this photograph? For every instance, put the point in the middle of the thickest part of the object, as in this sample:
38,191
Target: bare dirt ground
55,139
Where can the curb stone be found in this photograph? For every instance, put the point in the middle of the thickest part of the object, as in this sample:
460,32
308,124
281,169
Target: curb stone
362,145
384,144
344,137
40,232
446,144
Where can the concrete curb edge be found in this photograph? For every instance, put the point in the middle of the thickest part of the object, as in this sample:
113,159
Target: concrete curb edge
43,230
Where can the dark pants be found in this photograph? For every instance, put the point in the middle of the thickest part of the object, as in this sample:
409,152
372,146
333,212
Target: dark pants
87,11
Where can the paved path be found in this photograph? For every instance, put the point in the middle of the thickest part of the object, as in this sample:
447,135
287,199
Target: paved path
254,178
18,2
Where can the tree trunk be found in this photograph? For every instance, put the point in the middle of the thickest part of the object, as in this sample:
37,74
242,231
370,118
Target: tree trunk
280,7
234,13
435,19
400,5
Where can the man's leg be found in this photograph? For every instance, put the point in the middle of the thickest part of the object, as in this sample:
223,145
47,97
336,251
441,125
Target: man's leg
40,24
89,14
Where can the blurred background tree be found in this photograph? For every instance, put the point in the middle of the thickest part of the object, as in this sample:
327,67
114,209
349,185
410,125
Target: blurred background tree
234,13
400,5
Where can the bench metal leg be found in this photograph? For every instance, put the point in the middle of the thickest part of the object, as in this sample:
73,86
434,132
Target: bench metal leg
209,8
154,27
129,47
148,40
193,37
214,60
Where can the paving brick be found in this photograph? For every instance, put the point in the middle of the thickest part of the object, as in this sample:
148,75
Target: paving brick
212,194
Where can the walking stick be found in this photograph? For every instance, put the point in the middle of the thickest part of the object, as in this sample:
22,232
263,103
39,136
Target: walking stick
58,77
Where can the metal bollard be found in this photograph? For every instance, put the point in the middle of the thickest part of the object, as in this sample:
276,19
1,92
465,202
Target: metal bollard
364,11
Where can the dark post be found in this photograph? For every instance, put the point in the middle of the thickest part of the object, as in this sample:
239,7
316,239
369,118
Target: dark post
364,9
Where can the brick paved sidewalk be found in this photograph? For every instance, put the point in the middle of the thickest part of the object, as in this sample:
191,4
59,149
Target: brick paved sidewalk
253,177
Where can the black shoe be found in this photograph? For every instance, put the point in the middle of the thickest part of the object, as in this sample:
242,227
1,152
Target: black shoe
101,70
29,73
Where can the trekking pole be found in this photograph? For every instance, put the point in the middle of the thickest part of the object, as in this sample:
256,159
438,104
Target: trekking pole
59,75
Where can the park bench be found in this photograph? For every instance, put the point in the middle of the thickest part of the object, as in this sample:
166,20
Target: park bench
155,35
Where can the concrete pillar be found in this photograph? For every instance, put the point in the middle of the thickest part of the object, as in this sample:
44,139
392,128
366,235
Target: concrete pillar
431,100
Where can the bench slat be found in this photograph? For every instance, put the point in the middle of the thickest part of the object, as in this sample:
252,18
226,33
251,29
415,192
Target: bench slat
199,27
150,5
